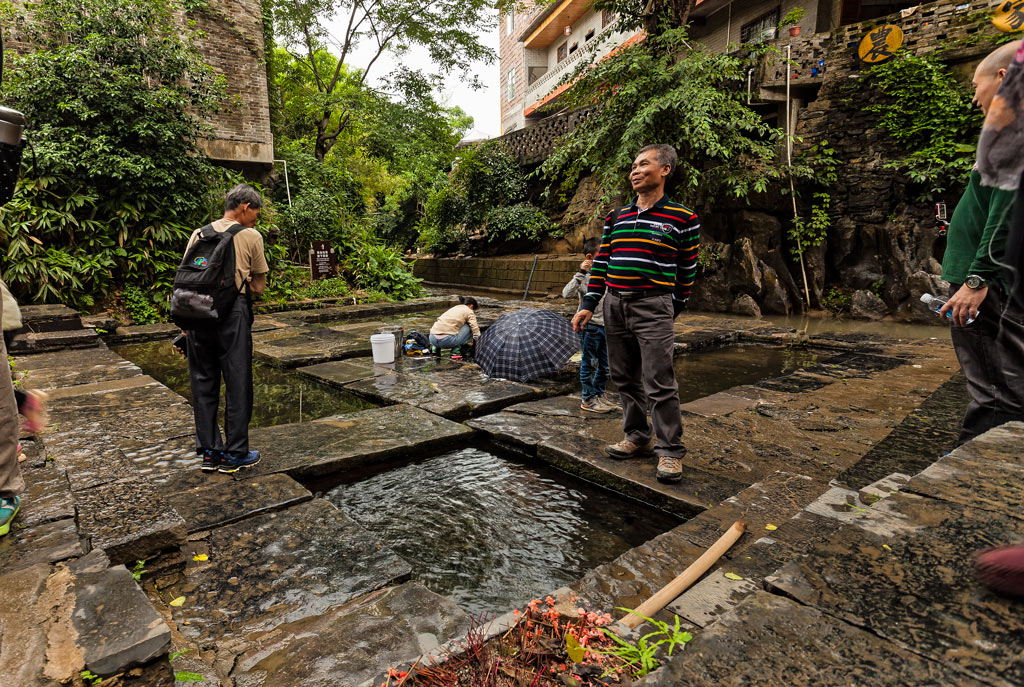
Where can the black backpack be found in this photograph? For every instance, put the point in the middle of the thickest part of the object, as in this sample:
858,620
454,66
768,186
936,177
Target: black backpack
204,285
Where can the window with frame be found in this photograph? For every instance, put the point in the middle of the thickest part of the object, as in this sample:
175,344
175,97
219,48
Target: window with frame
560,55
758,30
510,22
510,84
590,34
573,48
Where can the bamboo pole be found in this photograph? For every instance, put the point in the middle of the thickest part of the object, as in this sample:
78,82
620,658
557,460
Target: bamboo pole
670,591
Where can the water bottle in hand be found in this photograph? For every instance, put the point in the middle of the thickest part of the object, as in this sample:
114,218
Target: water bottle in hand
935,303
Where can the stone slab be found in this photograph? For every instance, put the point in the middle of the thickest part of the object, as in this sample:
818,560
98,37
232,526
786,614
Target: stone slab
164,461
973,476
228,501
712,596
355,642
452,390
769,641
139,333
339,372
117,626
44,342
68,368
55,397
282,567
721,403
763,506
88,468
344,442
557,431
46,543
129,520
914,585
47,496
52,317
23,627
637,574
293,347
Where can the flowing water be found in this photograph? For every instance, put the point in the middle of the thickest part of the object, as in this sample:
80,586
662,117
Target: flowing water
279,397
494,533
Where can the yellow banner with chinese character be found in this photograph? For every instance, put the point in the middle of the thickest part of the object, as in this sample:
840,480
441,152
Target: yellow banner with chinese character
880,43
1009,16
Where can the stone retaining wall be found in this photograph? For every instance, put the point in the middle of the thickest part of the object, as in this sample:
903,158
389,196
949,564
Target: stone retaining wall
505,274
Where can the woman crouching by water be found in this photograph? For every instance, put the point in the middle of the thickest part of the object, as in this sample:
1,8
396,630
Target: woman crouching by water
455,328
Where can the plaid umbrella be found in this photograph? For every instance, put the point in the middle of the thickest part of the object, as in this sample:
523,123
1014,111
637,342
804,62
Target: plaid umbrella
525,344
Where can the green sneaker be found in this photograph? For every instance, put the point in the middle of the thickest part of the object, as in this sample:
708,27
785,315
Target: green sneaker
9,507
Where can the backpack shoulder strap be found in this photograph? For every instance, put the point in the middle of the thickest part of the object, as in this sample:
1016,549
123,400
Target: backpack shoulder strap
235,228
207,232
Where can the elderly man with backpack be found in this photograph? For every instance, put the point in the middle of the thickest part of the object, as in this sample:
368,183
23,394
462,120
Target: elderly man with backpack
223,270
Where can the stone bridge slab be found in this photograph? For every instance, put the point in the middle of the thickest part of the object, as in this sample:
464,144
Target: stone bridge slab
69,368
768,641
46,543
344,442
452,390
226,501
910,581
117,626
355,642
557,431
129,520
280,568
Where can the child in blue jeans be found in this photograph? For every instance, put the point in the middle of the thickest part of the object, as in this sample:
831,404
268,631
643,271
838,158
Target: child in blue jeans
594,365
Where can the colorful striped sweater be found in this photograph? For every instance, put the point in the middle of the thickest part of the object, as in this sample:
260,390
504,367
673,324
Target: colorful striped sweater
653,250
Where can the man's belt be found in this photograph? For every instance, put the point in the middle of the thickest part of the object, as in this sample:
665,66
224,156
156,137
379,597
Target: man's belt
636,294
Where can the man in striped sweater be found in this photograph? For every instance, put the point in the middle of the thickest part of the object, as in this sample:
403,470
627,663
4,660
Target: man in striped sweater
646,263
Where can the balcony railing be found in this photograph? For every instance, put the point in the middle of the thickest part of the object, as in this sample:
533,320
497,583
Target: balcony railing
547,81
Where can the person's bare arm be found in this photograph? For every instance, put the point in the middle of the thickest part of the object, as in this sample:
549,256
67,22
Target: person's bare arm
257,285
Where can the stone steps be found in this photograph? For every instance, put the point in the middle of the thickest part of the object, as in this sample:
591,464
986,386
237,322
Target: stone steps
85,615
880,593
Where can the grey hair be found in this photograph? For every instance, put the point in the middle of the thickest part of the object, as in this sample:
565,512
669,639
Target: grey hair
241,194
666,156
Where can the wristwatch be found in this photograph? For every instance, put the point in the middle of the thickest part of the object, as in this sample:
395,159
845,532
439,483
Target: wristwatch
973,281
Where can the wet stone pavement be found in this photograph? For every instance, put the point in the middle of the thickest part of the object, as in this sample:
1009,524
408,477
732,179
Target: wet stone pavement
855,567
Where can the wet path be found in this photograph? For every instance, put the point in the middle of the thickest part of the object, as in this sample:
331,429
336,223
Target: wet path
283,581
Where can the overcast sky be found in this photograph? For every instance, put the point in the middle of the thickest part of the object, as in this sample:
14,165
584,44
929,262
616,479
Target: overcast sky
482,105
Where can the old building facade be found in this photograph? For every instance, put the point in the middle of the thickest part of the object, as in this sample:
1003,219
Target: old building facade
539,46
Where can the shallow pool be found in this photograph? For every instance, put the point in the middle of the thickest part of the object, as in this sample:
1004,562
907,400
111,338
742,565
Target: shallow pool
493,533
279,396
703,373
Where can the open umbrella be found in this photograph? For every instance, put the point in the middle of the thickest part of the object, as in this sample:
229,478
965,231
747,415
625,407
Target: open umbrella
525,344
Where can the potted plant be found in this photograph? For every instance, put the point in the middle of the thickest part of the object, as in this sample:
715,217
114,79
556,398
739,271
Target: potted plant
792,20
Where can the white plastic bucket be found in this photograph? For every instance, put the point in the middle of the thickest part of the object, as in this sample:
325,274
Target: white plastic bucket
383,346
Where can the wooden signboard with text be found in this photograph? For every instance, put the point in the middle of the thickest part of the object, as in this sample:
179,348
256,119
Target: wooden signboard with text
321,260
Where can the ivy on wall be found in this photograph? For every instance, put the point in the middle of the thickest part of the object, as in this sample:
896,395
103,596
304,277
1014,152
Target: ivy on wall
929,114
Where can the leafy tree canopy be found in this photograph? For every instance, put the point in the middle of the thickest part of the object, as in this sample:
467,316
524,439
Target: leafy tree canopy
666,89
112,90
447,29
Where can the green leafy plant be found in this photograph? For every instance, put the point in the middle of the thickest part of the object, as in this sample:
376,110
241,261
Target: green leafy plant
929,114
90,677
671,90
485,191
184,675
139,305
138,570
641,657
792,17
113,91
836,300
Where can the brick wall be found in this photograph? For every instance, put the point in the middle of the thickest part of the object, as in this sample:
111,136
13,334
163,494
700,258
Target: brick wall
504,274
511,57
233,46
